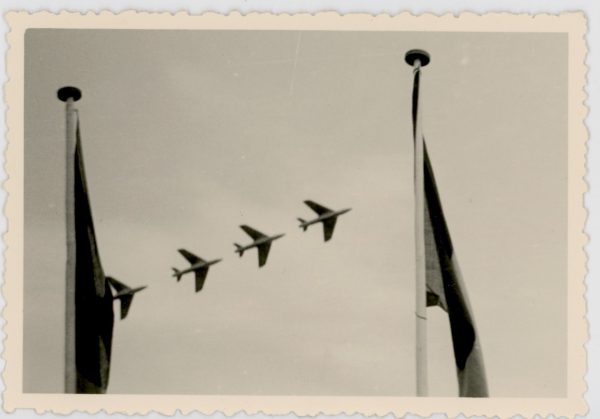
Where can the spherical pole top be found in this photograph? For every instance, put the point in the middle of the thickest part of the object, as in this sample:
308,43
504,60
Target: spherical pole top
64,93
417,54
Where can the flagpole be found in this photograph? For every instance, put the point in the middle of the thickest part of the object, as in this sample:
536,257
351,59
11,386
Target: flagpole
70,95
418,59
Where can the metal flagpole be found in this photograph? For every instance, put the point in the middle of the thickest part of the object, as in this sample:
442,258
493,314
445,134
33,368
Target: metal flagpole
418,59
70,95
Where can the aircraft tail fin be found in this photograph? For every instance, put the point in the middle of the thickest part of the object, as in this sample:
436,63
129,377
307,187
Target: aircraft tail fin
177,273
302,224
239,249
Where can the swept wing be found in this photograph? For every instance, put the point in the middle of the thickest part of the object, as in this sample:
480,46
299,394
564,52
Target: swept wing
263,253
328,226
118,286
190,257
200,277
318,208
125,304
255,234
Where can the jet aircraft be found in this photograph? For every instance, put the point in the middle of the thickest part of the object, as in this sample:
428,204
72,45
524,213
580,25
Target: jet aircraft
199,267
261,241
124,293
325,215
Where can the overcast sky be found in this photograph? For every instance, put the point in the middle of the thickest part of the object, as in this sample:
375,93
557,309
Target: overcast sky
187,134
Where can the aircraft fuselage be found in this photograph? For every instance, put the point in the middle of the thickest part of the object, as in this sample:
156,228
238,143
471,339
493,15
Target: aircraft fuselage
198,265
260,241
129,291
324,217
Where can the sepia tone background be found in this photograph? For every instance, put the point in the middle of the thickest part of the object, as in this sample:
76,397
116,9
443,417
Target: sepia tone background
189,134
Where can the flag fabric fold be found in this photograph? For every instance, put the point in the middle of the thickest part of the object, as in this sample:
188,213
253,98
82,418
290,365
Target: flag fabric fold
445,289
94,315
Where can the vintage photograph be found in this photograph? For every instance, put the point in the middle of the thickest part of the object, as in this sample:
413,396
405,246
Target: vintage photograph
298,212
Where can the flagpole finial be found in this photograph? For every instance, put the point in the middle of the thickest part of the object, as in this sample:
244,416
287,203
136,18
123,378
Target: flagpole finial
64,93
417,54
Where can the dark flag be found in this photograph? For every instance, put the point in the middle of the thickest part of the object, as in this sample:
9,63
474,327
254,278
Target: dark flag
446,289
93,296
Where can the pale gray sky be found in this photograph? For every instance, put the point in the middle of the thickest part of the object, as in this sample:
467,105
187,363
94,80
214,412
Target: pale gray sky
188,134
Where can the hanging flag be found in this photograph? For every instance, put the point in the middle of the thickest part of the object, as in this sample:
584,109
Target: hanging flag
93,297
446,290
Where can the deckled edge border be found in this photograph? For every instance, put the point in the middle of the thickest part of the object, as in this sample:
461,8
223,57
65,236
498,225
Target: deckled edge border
574,23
